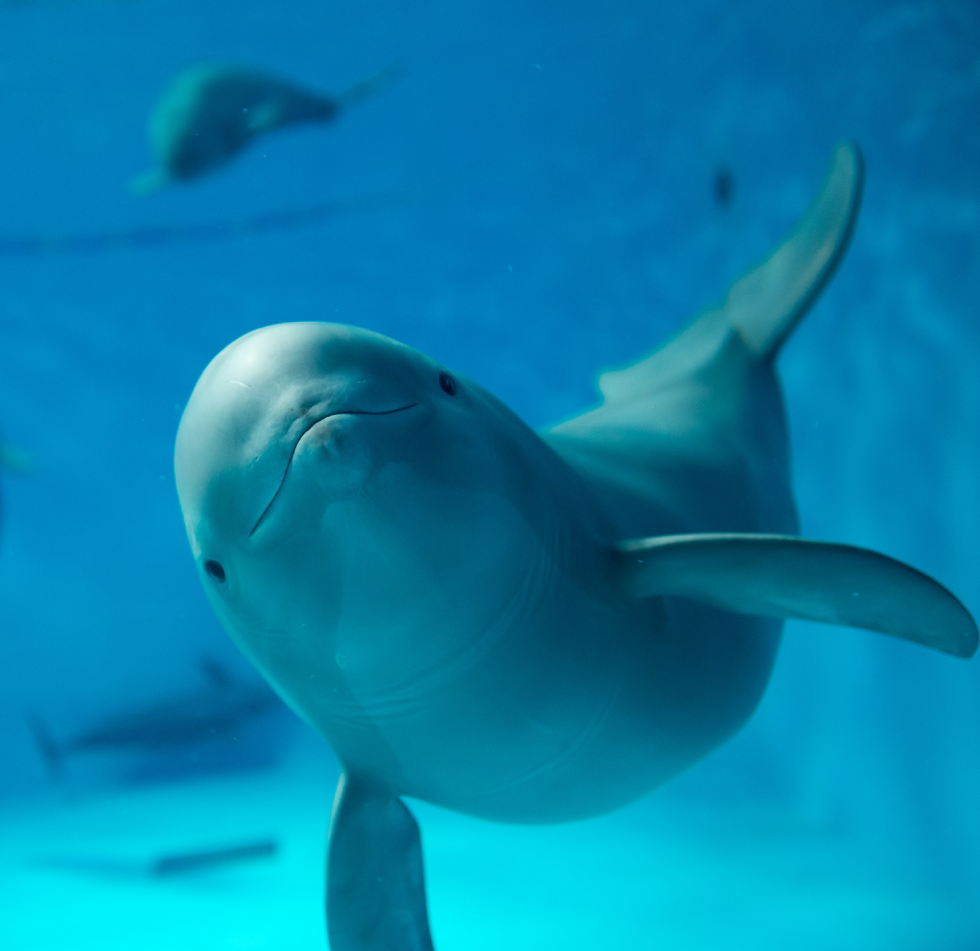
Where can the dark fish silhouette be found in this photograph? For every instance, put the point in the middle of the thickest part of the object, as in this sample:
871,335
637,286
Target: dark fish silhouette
211,113
222,707
723,186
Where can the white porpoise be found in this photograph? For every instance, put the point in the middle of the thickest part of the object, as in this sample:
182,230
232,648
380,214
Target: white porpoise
528,627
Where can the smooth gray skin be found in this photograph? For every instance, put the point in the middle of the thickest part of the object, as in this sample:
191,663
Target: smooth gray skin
493,620
211,113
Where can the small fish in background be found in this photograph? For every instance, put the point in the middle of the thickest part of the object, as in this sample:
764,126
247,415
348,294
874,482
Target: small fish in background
723,186
211,113
221,708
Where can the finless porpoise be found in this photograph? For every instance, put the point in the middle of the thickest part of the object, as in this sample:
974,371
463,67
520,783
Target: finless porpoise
523,626
211,113
221,708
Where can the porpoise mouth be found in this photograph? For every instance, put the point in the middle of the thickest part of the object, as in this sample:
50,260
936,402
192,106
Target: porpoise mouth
309,425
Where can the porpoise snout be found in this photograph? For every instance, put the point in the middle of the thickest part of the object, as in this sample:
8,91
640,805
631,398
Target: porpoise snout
325,432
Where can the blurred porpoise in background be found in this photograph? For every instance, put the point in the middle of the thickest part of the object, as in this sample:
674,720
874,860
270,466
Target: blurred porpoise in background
220,710
211,113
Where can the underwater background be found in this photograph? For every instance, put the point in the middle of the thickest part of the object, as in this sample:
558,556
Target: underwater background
546,191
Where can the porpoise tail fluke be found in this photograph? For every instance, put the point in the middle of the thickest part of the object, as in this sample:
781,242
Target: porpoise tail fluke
368,87
54,755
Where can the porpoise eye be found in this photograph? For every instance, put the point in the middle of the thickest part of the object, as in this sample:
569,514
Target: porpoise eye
447,383
214,570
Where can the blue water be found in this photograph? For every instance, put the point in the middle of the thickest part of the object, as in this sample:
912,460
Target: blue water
530,203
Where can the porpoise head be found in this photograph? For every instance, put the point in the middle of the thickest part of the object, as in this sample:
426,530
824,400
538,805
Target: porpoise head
355,510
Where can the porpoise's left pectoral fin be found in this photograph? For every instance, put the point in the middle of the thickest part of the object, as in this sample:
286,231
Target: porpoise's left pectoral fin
375,879
786,577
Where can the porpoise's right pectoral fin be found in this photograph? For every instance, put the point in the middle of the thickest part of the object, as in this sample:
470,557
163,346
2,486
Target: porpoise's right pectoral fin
786,577
375,879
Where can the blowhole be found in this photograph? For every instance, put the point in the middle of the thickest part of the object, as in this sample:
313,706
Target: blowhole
214,570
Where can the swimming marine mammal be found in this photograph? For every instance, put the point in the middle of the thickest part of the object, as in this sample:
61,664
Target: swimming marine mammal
223,708
210,113
528,627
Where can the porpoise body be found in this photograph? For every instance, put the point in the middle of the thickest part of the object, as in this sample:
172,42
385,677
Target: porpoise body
210,113
526,627
221,709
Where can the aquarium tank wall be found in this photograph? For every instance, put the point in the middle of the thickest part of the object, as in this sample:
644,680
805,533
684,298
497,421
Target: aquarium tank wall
531,194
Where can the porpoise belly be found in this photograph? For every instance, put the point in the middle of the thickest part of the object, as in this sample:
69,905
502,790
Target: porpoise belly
591,707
